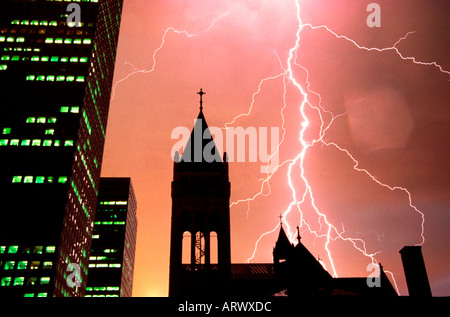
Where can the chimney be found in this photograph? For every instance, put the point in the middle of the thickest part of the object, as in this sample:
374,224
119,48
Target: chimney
415,271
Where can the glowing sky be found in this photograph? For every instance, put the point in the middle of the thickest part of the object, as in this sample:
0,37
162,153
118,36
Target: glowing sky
395,121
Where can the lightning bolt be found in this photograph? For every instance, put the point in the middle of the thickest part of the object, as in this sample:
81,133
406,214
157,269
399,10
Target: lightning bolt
331,232
137,70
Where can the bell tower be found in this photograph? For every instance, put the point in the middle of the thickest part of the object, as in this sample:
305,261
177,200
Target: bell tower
200,217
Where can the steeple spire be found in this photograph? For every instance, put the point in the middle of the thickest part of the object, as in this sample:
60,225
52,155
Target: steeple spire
201,93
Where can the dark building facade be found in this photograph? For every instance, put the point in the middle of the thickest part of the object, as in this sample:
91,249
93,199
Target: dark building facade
55,90
415,271
200,215
111,262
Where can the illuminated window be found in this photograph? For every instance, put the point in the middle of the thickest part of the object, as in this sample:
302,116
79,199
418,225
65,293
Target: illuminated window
87,41
6,281
18,281
80,78
45,280
47,142
50,132
47,265
31,120
74,59
64,109
64,59
50,249
13,249
2,249
28,179
4,142
50,179
6,130
9,265
51,120
68,143
5,58
60,78
31,77
42,295
38,249
54,59
34,22
25,143
49,40
41,120
40,78
58,41
77,41
14,142
83,59
56,143
67,41
50,78
40,179
22,265
75,109
45,59
20,39
28,295
62,179
35,58
3,67
70,78
36,142
17,179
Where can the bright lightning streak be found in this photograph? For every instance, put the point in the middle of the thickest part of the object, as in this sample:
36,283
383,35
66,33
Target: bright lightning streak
155,52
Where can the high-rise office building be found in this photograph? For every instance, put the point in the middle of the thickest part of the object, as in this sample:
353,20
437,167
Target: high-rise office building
55,83
111,262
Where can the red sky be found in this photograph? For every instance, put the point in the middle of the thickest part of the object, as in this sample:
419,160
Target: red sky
395,121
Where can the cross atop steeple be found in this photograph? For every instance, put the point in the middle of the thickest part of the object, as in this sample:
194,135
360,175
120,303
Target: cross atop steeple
201,93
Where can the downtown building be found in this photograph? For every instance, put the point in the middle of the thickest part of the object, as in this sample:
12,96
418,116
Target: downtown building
55,86
111,261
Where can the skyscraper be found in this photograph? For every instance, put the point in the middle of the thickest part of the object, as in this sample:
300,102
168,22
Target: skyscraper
56,79
111,263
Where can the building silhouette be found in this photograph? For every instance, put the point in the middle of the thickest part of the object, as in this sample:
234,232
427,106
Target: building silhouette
200,212
415,271
55,87
111,261
200,215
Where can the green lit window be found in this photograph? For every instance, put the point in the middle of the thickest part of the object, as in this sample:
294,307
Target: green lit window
38,249
50,179
64,59
51,120
31,77
10,39
14,142
9,265
67,41
54,59
68,143
6,281
91,265
75,109
36,142
49,131
53,23
58,41
34,22
20,39
2,38
45,59
17,179
25,143
5,58
40,179
41,120
50,78
74,59
119,222
102,265
35,58
70,78
44,22
3,67
47,265
49,40
13,249
15,58
22,265
47,143
25,22
42,295
83,59
18,281
28,179
6,130
56,143
62,179
112,288
80,78
50,249
4,142
40,78
60,78
15,22
2,249
77,41
45,280
28,295
64,109
31,120
87,41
